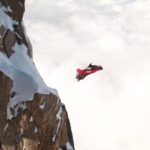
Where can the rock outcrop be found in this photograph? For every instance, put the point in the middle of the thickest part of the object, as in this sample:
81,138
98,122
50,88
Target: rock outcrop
32,116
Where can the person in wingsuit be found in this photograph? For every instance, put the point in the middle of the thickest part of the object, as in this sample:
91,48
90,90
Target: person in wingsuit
82,73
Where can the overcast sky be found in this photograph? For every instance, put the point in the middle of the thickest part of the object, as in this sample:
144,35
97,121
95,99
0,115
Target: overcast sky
108,110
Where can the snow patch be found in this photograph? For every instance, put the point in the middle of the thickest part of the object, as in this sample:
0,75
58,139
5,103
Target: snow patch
5,20
69,146
9,9
24,63
31,119
58,116
54,137
42,106
5,128
36,130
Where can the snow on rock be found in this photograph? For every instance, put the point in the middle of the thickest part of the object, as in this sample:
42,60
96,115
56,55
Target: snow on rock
35,130
6,126
21,70
31,119
42,106
24,89
5,20
69,147
26,79
25,64
9,9
58,116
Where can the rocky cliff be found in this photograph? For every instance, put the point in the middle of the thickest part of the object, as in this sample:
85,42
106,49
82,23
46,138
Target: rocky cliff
32,116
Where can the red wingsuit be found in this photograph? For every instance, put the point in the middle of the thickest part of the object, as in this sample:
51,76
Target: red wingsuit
81,74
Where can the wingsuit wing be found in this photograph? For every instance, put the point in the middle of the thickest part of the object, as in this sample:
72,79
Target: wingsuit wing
81,74
79,71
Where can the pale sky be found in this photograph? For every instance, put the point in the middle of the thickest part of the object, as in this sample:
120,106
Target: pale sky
108,110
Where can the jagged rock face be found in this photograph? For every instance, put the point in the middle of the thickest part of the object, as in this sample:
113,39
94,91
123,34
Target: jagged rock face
13,10
44,125
31,114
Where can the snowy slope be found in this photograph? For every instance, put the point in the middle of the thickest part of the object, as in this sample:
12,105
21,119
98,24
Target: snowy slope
21,70
26,79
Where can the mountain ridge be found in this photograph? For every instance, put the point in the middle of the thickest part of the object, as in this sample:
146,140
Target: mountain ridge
31,115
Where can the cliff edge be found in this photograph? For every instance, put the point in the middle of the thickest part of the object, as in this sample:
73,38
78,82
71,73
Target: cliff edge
31,114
